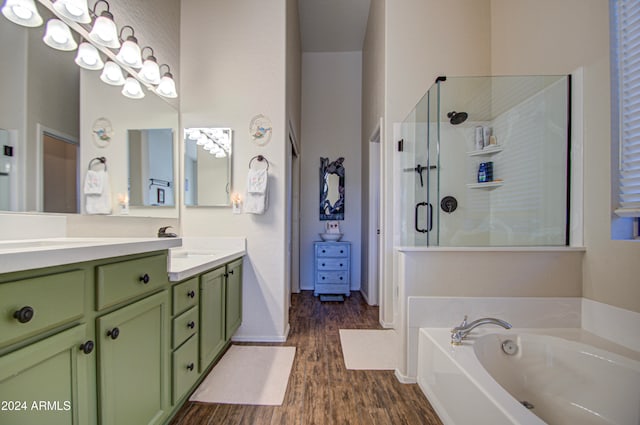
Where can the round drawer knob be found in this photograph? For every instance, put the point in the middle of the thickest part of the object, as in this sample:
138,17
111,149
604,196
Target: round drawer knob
340,264
323,277
87,347
24,315
322,264
113,333
190,366
191,324
323,251
340,277
191,294
145,278
341,252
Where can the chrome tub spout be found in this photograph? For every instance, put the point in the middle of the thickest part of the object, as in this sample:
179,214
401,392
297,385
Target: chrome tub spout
460,332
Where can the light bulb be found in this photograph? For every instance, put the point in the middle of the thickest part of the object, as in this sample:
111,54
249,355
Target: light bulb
112,74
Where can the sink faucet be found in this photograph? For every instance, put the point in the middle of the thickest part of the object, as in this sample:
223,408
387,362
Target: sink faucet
162,233
460,332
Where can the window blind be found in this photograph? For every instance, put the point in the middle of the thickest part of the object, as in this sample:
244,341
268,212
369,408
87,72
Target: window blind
627,18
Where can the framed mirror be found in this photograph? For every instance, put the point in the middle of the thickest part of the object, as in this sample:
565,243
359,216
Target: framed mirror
331,189
207,166
151,168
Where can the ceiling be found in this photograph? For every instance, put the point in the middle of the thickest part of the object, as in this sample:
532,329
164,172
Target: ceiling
333,25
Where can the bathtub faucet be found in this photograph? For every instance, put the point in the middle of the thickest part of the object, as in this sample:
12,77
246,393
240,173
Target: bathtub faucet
460,332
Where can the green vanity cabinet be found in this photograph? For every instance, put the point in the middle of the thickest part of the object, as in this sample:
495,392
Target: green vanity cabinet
133,362
212,316
47,382
233,303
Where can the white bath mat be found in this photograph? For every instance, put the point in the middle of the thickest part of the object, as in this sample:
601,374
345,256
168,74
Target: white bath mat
370,349
248,375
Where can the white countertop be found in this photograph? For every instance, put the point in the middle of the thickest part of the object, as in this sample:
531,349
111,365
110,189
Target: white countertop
184,263
16,255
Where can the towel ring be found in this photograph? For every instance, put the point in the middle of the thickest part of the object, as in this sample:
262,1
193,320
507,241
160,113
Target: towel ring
260,158
101,160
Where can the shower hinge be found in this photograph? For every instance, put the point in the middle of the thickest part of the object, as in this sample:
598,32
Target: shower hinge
401,145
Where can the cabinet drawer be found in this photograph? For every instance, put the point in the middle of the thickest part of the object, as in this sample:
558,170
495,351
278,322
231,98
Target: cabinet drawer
332,288
118,282
333,264
332,250
185,295
185,368
184,326
332,277
44,302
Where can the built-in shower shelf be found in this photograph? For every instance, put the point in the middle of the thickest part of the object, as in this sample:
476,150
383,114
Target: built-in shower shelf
486,151
488,185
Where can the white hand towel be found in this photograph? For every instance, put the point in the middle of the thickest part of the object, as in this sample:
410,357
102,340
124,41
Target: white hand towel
100,203
255,201
257,181
94,182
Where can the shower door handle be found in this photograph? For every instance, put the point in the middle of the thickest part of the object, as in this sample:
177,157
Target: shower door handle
429,218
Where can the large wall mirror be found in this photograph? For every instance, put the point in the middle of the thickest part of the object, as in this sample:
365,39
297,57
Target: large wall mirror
207,166
331,189
48,108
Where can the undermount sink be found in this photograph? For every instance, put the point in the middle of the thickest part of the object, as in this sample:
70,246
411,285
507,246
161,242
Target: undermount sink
330,237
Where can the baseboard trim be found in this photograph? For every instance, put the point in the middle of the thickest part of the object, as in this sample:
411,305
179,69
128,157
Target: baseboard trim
263,338
403,379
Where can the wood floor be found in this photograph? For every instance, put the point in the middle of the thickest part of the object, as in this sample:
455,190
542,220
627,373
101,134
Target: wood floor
321,390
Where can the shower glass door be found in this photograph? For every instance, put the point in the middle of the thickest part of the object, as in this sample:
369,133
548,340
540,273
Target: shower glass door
486,163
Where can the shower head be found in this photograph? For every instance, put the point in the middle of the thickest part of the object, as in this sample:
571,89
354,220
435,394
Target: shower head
457,117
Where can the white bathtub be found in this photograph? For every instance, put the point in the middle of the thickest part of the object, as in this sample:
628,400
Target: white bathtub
566,381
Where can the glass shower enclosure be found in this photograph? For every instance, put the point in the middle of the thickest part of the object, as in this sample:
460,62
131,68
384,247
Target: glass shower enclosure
485,162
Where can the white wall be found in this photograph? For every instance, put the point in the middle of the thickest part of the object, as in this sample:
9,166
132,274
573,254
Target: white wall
373,66
331,128
549,36
445,38
233,68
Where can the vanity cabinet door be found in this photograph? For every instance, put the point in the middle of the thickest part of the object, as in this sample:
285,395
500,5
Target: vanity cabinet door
212,316
133,368
233,298
47,382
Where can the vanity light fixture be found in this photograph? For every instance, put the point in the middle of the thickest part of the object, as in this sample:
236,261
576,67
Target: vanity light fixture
104,31
58,36
167,87
75,10
112,74
132,88
129,53
88,57
150,72
22,12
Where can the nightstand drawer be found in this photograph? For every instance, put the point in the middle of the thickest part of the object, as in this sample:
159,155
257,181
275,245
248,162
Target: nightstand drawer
184,326
332,277
333,264
332,250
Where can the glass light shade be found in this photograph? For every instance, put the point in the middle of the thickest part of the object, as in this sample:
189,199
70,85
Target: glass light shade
150,72
132,89
75,10
112,74
22,12
202,140
88,57
220,154
104,31
58,36
129,53
167,87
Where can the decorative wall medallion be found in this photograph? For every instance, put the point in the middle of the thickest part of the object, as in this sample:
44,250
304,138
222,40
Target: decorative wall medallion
102,132
260,130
